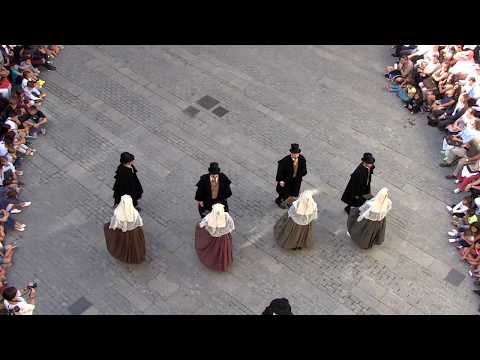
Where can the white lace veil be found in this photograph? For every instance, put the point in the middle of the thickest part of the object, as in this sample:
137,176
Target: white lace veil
125,217
376,208
304,210
218,222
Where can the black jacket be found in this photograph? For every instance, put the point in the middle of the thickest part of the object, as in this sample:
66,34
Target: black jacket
285,174
127,183
358,186
204,190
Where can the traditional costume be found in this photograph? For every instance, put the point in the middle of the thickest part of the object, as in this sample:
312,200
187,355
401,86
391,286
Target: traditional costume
126,180
294,230
290,172
358,188
213,239
124,233
366,225
212,188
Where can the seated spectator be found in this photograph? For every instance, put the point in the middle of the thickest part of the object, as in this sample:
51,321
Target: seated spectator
431,83
40,58
458,111
400,72
441,106
16,304
26,65
461,208
465,239
34,120
426,69
472,88
467,120
460,143
6,255
415,104
7,223
5,85
33,93
471,254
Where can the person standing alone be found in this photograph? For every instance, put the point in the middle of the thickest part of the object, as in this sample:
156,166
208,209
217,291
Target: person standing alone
291,169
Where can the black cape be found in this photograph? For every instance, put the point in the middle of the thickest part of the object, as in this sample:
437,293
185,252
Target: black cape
285,174
358,186
127,183
204,192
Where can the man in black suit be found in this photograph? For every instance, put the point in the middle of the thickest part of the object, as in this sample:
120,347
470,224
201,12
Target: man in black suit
291,169
212,188
358,188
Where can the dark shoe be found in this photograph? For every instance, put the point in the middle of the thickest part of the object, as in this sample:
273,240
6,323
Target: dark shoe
347,209
49,67
280,203
444,164
476,292
450,177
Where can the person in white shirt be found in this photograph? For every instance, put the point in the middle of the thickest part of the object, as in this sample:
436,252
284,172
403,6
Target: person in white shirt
32,93
16,304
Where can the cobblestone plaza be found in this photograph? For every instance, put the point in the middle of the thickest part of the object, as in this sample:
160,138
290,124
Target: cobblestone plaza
177,108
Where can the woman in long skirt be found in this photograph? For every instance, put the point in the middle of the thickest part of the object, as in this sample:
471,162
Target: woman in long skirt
366,224
213,239
124,233
294,230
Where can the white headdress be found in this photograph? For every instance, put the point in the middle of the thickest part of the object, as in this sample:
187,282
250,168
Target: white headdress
125,217
218,222
376,208
304,210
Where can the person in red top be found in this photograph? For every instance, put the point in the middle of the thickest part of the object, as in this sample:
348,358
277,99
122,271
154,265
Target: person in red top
5,85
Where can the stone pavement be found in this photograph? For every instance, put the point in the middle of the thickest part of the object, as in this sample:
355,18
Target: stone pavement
144,99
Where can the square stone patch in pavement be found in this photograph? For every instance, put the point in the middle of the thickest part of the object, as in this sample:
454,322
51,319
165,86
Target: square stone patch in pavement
191,111
79,306
220,111
455,277
207,102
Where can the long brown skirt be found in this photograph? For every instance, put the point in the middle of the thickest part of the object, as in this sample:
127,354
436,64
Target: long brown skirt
126,246
365,233
215,253
290,235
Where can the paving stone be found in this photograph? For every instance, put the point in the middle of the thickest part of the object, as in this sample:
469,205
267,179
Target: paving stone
191,111
455,277
79,306
220,111
207,102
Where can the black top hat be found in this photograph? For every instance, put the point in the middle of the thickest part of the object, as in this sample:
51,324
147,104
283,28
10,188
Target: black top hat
278,307
368,158
213,168
295,149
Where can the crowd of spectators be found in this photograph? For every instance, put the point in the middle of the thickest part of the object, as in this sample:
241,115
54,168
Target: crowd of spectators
21,122
444,82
